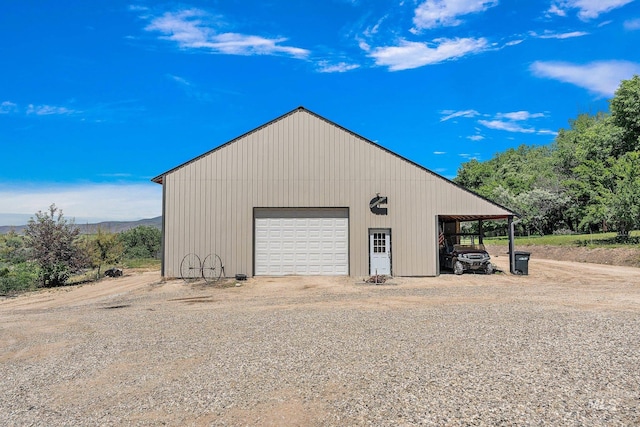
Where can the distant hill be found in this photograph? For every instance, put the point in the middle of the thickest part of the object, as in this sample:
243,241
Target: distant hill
112,226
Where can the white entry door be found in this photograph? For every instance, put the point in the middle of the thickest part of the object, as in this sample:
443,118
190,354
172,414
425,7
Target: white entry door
380,252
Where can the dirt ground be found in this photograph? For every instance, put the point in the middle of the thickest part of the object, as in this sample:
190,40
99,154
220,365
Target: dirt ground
578,277
40,330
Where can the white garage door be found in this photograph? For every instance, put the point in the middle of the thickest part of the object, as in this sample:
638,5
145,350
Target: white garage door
302,242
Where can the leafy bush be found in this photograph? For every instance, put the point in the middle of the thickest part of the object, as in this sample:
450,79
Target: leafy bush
18,278
142,241
611,241
12,248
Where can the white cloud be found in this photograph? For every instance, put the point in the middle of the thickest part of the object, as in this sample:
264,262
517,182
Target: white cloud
555,10
137,8
600,77
370,31
364,45
509,122
48,110
439,153
445,13
95,202
8,107
632,24
190,88
450,114
551,35
340,67
180,80
519,115
506,126
194,29
587,9
409,55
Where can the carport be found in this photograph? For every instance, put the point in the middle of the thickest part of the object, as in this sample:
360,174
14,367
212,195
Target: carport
449,228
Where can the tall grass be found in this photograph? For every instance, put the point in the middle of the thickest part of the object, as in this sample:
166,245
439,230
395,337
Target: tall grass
149,263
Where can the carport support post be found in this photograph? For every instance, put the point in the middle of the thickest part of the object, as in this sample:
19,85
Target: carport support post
512,257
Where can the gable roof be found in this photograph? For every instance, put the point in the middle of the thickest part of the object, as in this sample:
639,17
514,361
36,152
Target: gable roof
159,179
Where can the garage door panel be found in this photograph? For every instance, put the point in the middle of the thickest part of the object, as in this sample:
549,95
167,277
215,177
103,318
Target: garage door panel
301,242
342,257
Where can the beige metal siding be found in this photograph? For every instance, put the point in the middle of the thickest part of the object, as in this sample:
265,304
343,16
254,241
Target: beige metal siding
303,161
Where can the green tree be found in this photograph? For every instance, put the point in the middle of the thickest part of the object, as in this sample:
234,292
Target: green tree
142,241
475,175
105,248
517,170
591,187
624,202
625,111
541,210
585,180
589,138
54,246
589,160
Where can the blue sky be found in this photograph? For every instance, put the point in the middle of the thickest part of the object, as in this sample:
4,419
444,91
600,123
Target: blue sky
97,97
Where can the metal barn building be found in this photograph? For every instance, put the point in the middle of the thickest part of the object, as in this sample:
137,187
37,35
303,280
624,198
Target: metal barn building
302,195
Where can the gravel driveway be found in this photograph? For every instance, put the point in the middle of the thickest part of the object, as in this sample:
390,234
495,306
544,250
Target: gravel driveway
553,348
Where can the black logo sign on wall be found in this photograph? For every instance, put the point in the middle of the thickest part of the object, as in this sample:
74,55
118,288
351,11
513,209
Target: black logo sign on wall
376,203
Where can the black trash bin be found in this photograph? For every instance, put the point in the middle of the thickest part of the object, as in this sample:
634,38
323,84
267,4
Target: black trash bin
521,262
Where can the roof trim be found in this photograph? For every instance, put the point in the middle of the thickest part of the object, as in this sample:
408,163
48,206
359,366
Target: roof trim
159,179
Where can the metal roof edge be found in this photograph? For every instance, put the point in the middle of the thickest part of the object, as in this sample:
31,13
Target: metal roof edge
158,179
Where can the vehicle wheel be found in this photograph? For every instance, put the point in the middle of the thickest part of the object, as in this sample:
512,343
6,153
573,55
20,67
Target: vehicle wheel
458,268
489,269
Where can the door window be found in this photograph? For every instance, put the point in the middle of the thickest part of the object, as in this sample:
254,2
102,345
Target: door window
379,242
